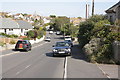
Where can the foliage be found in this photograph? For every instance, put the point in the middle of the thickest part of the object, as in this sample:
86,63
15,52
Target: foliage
96,27
53,16
32,34
10,36
26,38
12,42
2,44
85,32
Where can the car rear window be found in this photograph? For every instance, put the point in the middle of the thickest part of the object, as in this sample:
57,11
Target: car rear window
21,42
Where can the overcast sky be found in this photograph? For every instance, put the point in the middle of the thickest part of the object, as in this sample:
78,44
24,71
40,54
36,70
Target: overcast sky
70,8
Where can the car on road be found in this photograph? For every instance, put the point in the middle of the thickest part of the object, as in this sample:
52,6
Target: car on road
61,48
23,45
67,38
50,32
48,39
58,32
70,42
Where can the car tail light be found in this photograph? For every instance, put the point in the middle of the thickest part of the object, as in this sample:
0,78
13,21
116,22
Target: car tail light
20,45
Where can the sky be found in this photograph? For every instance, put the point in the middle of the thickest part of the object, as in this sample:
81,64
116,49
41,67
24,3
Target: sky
70,8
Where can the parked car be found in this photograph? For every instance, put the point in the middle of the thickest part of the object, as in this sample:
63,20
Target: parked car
51,32
23,45
58,32
70,42
61,48
67,38
48,39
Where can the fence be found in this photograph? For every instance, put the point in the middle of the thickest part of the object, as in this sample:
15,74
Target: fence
8,40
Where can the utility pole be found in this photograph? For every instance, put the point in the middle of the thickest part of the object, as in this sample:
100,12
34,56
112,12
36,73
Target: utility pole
86,11
93,8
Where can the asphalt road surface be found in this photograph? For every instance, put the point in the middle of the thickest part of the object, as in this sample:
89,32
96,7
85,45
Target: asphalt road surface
39,63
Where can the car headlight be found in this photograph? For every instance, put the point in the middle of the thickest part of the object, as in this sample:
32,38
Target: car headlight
54,50
68,50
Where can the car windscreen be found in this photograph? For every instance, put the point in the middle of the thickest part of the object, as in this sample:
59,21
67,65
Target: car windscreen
21,42
61,44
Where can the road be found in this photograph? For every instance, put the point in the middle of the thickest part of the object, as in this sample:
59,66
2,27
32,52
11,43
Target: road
39,63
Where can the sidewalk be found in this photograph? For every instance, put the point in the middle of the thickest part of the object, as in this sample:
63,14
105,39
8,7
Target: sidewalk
110,70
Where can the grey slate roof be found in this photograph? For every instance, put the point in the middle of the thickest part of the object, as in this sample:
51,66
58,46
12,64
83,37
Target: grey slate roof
24,24
113,8
8,23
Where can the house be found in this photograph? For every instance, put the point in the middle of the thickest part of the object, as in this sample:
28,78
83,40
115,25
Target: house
24,26
113,13
18,27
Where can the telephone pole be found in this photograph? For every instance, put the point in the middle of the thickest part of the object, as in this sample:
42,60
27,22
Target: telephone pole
93,8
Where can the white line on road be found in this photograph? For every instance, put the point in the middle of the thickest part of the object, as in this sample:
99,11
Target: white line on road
104,72
23,69
65,69
9,54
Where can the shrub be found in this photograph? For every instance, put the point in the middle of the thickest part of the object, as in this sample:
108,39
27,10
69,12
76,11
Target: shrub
12,42
26,38
2,44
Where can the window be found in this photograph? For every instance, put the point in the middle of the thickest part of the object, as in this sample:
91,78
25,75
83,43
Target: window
26,29
10,29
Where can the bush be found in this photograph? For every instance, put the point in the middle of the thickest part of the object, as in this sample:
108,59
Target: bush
2,44
26,38
95,28
12,42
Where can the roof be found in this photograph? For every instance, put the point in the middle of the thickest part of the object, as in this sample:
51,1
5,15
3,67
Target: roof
113,8
24,24
8,23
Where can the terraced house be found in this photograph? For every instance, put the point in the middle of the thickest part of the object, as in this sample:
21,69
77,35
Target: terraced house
18,27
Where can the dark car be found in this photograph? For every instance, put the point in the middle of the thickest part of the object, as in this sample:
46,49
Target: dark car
23,45
70,42
61,48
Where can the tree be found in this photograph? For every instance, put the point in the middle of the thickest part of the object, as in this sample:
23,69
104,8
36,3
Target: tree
53,16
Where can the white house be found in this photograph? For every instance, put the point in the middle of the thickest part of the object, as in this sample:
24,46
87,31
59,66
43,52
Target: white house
18,27
46,20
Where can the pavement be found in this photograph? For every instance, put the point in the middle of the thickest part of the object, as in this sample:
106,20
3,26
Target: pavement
39,63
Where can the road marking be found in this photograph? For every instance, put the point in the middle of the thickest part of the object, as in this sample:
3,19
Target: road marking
18,51
22,69
39,45
65,69
9,54
104,72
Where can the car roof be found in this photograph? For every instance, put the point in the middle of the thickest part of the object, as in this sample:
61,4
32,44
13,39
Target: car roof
22,40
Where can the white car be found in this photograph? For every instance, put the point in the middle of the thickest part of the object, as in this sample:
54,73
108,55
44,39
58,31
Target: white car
67,38
51,32
48,39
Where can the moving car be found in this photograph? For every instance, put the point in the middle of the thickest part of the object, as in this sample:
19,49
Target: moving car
70,42
23,45
48,39
61,48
